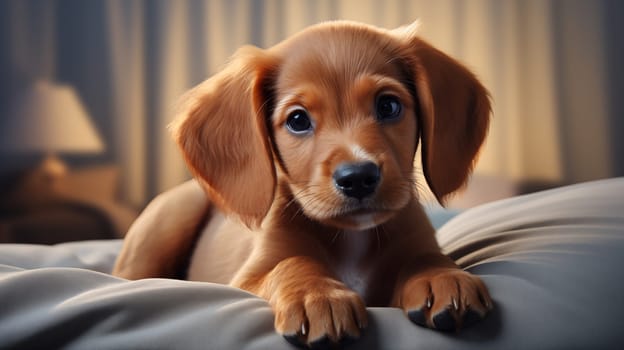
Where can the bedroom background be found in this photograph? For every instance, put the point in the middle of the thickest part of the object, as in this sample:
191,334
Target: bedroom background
553,68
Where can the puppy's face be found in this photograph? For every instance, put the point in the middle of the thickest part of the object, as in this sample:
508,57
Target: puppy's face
334,113
344,127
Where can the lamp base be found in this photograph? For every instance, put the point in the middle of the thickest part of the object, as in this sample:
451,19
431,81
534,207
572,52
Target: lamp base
40,183
52,167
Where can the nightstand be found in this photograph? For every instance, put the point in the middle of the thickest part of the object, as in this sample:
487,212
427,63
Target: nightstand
79,205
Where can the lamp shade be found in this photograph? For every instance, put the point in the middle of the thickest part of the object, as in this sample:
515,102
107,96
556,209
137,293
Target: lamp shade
48,118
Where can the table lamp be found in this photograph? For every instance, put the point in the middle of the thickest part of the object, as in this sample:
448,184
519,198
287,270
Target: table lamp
48,118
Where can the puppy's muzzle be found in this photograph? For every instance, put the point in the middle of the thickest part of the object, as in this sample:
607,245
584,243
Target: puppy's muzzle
357,180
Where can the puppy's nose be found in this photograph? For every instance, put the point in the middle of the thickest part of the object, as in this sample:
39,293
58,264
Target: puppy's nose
357,180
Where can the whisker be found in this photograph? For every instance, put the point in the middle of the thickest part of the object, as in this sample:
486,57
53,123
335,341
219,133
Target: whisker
290,202
338,233
385,233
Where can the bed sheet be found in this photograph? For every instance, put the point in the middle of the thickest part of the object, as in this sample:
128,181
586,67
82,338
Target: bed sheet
552,261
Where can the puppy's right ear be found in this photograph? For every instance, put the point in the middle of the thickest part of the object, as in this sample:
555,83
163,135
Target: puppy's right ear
222,130
454,113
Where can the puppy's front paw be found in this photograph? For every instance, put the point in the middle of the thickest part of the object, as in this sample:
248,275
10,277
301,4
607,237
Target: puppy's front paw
445,299
321,315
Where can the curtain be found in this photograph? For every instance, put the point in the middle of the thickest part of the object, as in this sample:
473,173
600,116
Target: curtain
131,60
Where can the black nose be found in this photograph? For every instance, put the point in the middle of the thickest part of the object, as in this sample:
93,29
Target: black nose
357,180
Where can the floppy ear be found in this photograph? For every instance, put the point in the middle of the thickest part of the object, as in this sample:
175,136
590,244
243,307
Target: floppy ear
222,131
454,114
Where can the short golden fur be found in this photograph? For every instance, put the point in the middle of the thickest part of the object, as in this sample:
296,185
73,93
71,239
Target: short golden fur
280,226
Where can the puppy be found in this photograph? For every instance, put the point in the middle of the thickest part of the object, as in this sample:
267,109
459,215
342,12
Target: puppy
306,151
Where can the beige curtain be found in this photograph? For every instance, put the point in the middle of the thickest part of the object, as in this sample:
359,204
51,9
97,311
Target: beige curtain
514,46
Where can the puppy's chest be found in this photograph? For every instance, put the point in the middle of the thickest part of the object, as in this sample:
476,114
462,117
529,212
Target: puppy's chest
353,261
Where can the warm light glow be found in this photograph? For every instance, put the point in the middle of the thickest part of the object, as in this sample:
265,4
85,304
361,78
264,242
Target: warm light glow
48,118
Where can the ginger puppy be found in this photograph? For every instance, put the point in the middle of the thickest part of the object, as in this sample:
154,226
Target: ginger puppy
305,151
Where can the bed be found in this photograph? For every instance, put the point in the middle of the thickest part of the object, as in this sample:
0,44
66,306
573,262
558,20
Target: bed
552,260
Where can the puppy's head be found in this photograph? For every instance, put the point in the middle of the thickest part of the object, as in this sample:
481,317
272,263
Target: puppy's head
334,114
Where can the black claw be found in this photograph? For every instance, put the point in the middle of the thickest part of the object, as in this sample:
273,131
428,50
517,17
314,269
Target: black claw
444,321
471,317
295,340
321,343
418,317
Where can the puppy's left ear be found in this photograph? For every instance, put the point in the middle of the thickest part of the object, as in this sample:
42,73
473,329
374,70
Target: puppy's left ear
454,113
221,128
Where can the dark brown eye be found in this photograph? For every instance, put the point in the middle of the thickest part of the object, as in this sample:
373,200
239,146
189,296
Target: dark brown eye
388,108
298,122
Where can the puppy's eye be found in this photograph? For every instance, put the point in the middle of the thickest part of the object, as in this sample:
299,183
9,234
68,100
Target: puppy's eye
298,122
388,108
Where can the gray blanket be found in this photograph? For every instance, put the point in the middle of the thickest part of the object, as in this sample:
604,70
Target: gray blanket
553,263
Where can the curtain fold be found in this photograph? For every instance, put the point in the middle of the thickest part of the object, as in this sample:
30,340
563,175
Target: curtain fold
126,22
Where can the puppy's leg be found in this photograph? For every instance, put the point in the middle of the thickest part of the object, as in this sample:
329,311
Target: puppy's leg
161,238
311,308
436,293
